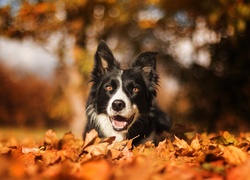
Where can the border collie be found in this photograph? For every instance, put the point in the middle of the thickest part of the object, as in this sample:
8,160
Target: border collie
121,102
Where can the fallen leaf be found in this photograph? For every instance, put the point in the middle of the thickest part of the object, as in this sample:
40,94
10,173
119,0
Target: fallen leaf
51,157
127,154
195,144
234,155
225,139
95,170
69,141
5,151
240,172
90,138
50,139
97,149
230,138
107,159
114,154
26,150
183,147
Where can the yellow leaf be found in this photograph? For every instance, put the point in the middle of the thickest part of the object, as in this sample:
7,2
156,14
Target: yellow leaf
183,147
230,138
180,143
195,144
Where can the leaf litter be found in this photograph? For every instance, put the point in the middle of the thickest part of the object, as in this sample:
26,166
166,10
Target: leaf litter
205,156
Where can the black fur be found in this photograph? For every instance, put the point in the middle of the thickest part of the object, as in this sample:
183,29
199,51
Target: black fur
141,76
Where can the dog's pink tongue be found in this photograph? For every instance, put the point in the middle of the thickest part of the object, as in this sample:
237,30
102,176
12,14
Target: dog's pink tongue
119,124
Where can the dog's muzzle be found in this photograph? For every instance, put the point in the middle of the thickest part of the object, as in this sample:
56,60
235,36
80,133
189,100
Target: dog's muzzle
121,123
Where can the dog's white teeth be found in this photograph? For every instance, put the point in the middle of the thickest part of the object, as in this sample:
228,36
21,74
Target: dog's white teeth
119,124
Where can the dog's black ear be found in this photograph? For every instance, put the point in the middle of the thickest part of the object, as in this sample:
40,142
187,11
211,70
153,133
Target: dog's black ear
104,60
147,63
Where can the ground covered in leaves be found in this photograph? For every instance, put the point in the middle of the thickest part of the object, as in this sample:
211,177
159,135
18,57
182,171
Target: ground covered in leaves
203,156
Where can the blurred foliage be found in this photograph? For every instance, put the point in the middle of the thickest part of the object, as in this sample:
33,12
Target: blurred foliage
213,90
25,101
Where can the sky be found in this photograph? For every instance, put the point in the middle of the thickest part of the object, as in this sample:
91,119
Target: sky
27,56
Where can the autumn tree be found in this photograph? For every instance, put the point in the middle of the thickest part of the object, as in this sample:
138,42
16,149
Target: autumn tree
202,44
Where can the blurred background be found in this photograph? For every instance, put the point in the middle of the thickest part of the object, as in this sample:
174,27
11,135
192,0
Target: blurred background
47,48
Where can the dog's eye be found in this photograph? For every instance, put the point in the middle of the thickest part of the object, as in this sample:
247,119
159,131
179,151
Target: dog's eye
109,88
136,90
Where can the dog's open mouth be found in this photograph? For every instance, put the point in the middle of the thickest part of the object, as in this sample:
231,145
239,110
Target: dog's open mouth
121,123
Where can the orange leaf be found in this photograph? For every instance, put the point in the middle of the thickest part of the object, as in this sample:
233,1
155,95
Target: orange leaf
240,172
95,170
51,157
195,144
69,141
97,149
114,154
234,155
183,146
90,138
51,139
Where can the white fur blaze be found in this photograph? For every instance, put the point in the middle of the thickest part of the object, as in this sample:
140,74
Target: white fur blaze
129,109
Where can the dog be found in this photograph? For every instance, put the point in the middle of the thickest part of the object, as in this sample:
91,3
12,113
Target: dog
121,102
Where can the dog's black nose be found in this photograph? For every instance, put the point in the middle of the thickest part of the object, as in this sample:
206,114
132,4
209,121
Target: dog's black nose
118,105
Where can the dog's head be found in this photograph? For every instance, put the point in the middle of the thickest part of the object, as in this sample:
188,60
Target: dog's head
120,96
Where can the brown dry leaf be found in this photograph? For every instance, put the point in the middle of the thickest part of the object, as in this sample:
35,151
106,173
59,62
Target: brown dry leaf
205,140
90,138
97,149
50,157
180,143
129,144
109,140
51,139
71,154
183,147
107,159
127,154
162,147
114,154
27,158
165,150
195,144
234,155
115,150
121,145
5,150
69,141
147,149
